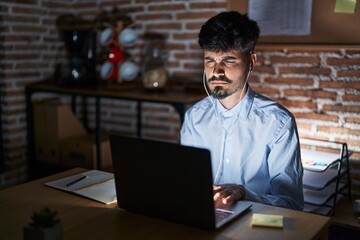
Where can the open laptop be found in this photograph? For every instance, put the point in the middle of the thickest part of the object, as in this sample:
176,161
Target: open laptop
168,181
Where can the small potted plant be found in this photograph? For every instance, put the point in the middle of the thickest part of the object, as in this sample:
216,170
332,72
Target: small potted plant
44,226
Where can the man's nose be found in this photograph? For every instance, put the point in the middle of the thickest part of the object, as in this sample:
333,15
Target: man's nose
219,69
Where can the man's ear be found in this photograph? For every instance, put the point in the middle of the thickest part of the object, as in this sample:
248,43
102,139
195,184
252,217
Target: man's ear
253,59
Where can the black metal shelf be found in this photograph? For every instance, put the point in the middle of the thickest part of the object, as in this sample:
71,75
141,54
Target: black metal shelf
323,188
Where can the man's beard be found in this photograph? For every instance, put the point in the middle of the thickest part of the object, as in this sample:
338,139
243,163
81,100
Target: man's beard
219,92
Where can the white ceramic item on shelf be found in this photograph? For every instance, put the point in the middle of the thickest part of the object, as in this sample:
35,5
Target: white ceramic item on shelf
106,36
128,70
128,37
106,70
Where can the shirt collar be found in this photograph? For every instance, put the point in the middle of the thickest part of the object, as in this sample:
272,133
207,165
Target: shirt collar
241,109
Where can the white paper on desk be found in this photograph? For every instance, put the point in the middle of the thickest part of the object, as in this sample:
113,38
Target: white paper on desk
97,185
104,192
282,17
316,160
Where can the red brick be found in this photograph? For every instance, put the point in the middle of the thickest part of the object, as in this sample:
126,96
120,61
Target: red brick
311,136
195,15
298,59
26,47
175,46
89,4
351,143
58,5
306,126
355,120
254,80
339,84
188,55
317,116
22,19
146,17
194,25
173,64
13,93
4,9
353,51
352,97
31,29
29,10
355,155
32,65
193,65
305,70
207,5
343,61
339,130
155,36
297,104
314,49
23,75
290,81
267,91
341,108
183,36
21,1
314,94
162,26
264,70
148,1
195,46
21,56
167,7
21,38
349,73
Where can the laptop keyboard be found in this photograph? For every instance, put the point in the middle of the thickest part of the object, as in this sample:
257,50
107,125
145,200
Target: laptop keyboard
221,214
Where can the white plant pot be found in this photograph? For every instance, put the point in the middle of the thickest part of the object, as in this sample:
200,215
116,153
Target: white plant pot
53,233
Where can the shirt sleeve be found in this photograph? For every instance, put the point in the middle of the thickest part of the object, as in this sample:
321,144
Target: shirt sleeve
186,132
285,170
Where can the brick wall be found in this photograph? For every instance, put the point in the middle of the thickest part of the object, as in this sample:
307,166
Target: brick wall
319,84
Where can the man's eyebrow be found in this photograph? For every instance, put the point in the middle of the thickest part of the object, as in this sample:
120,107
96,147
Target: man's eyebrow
224,58
229,58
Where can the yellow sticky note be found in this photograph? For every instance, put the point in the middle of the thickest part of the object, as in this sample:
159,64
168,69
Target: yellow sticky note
267,220
345,6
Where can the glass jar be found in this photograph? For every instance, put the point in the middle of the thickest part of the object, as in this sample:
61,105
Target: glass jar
153,70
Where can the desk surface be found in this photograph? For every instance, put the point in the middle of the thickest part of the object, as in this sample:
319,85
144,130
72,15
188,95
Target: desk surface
87,219
345,215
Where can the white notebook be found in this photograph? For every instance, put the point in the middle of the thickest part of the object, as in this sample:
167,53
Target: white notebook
94,184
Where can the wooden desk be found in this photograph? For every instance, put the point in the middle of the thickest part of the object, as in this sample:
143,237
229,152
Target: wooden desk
178,97
345,215
87,219
344,224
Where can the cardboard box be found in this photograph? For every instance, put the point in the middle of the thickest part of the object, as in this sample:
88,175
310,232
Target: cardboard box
81,152
53,122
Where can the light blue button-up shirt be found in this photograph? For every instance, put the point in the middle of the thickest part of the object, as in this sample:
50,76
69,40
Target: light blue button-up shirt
254,144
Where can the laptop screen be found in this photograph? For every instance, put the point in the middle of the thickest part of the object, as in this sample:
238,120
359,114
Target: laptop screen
164,180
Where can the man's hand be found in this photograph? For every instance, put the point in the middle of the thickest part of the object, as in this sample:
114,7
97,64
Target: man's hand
228,193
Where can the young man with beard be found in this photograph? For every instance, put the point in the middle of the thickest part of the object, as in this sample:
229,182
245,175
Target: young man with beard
253,140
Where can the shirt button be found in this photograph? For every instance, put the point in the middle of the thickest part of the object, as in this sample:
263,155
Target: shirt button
227,160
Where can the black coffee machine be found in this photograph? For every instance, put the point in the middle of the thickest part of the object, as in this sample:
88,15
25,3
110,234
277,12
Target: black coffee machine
79,37
80,69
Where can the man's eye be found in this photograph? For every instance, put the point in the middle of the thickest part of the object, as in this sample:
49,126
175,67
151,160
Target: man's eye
210,62
230,61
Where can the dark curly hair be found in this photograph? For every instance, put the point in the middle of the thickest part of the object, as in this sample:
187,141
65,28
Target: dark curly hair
229,31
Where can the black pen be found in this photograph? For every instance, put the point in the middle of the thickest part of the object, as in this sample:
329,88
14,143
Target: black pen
75,181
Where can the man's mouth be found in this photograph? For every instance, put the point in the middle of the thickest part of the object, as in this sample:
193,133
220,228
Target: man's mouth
222,80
